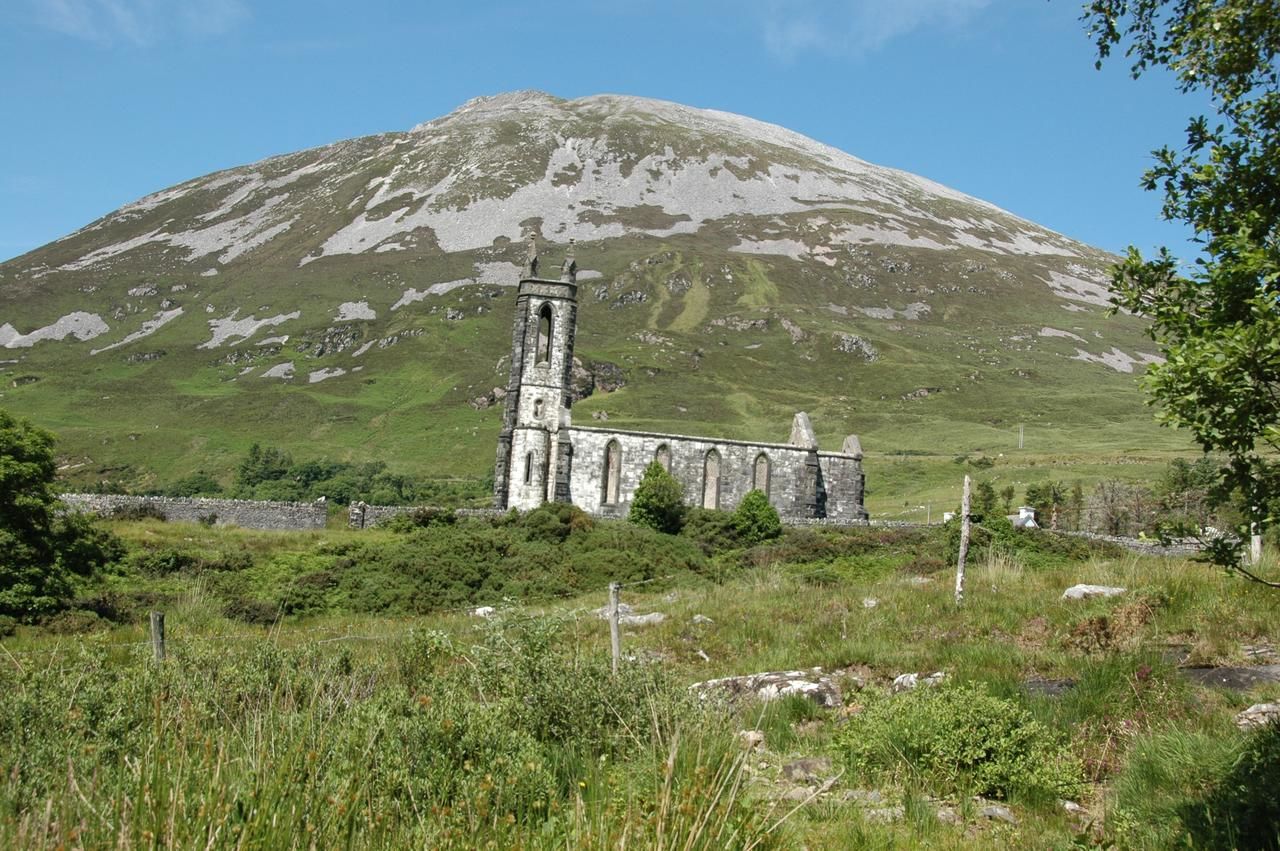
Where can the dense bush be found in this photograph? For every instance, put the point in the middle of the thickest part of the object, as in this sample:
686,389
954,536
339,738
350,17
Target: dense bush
73,622
308,594
163,561
755,519
815,546
44,552
1035,547
250,611
552,522
121,607
555,549
658,502
714,531
160,562
960,740
419,518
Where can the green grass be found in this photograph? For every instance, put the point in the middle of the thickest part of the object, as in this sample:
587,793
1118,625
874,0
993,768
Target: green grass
122,751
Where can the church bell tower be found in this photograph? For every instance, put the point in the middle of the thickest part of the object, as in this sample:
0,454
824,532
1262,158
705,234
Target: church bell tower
534,452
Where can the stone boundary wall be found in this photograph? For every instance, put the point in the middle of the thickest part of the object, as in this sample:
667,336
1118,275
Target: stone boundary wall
1144,546
361,515
248,514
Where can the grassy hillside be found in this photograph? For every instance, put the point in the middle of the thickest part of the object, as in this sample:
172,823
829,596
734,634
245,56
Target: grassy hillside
352,301
934,391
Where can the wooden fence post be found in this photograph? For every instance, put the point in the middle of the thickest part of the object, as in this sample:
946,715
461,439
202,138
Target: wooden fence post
615,638
964,543
157,635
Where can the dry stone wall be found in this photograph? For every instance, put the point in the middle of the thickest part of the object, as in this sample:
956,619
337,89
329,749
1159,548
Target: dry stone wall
361,515
248,514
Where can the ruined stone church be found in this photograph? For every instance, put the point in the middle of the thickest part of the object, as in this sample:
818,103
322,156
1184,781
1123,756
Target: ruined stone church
543,457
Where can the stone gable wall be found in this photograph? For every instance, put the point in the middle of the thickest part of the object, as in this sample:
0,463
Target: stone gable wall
248,514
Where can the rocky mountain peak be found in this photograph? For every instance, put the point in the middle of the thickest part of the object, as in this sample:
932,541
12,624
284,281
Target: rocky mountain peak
728,263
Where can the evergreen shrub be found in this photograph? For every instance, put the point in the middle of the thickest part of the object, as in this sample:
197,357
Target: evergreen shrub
756,519
659,501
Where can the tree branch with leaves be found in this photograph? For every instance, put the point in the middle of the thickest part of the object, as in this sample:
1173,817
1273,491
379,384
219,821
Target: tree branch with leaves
1217,323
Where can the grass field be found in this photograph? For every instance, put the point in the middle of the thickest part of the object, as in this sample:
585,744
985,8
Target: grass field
435,728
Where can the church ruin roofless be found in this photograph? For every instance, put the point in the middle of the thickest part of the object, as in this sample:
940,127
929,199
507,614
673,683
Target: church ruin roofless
543,457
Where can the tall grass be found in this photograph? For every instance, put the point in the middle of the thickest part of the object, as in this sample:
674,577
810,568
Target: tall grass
517,740
355,731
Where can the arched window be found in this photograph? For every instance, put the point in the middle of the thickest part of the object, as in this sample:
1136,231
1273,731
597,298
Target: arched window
612,477
537,408
711,480
528,468
663,457
544,334
760,475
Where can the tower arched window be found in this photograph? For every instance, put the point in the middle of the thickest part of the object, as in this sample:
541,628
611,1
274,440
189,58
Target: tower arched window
544,334
760,474
663,457
711,480
612,477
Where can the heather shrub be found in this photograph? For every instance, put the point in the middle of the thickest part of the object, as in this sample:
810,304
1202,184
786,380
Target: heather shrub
962,740
714,531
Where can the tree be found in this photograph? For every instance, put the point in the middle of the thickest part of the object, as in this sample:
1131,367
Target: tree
1046,498
42,551
1007,494
1077,505
985,499
1185,487
262,465
659,500
1218,325
755,519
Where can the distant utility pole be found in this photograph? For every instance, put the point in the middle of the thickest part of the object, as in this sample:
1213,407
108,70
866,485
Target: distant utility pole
1019,435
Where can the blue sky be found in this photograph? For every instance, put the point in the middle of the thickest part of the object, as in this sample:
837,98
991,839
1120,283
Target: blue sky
104,101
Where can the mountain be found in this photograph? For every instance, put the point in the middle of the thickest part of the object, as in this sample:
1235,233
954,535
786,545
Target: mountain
353,300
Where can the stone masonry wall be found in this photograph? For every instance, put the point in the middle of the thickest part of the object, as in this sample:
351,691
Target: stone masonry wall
248,514
361,515
842,474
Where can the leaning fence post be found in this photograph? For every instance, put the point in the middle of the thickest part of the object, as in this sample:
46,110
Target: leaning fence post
157,635
964,542
615,638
